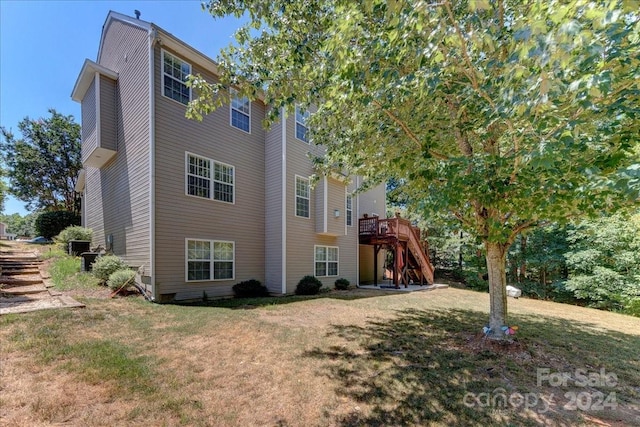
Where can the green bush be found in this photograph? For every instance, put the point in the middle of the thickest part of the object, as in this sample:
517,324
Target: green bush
308,285
73,232
342,284
120,278
475,282
106,265
632,306
250,289
49,224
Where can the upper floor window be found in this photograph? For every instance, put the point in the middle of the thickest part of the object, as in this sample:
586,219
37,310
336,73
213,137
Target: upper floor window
203,174
302,197
326,261
175,72
209,260
349,210
302,131
240,112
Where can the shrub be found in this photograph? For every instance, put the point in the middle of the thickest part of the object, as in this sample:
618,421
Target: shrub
49,224
250,289
475,282
106,265
73,232
632,306
342,284
308,285
120,278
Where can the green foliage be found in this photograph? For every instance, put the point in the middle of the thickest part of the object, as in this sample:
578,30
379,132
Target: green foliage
66,275
342,284
632,306
74,232
123,278
21,226
250,289
503,114
604,262
308,285
3,188
43,165
104,266
49,224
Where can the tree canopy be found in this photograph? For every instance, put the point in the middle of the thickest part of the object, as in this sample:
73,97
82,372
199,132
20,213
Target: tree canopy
504,114
43,165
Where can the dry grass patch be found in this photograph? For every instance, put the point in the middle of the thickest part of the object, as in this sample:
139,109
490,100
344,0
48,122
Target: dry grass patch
344,359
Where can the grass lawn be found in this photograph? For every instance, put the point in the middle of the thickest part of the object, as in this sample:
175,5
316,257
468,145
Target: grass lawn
345,359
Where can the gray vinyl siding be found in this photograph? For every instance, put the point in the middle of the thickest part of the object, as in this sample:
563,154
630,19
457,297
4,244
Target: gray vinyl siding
373,202
108,114
89,121
335,200
180,216
273,208
118,194
301,232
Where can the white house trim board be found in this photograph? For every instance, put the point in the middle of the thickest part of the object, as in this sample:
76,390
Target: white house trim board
87,74
325,200
284,200
152,169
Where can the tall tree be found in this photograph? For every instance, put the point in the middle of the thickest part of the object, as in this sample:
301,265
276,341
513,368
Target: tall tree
604,261
504,113
3,188
43,164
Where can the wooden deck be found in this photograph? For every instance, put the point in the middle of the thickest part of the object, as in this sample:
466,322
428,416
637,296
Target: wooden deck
411,262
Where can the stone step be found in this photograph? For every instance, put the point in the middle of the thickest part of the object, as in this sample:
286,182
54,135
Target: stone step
19,271
23,290
9,282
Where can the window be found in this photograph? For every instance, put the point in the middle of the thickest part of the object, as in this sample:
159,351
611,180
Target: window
198,176
349,210
301,125
210,260
302,197
175,72
199,179
240,112
326,260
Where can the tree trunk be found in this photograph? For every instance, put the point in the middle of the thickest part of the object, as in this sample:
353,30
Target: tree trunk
496,262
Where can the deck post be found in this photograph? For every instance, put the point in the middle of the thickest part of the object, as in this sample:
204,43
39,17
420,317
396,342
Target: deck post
376,249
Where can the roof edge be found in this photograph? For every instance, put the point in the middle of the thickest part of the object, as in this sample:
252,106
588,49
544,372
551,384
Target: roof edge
87,73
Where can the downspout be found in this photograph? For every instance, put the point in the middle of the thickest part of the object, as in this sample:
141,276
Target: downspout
284,201
152,170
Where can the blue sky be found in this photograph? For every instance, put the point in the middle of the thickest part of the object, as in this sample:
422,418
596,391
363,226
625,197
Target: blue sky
43,45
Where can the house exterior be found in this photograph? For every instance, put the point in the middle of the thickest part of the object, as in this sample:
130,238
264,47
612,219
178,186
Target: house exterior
201,206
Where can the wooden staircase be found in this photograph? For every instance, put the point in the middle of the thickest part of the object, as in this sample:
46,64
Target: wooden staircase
411,252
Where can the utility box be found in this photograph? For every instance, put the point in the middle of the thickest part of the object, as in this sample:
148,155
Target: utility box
88,258
76,247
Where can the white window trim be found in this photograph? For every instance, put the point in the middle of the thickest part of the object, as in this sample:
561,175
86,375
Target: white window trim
162,53
212,179
348,213
295,193
211,261
295,129
337,248
234,94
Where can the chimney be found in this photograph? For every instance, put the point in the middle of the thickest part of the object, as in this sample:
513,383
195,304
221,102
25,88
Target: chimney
137,12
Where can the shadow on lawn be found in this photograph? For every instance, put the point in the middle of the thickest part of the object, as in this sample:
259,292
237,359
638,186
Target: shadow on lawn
249,303
425,367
